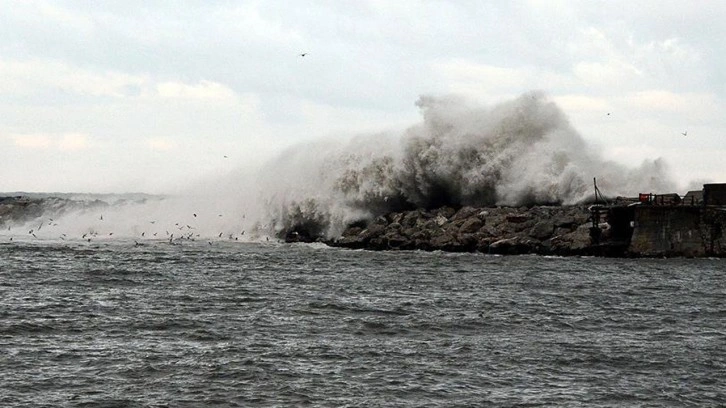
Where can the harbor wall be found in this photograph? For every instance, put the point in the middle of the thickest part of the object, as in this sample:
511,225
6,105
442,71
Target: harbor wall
690,231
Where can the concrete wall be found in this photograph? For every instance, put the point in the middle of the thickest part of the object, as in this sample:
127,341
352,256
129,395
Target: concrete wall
669,231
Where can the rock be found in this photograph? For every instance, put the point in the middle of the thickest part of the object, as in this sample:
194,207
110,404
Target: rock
440,220
512,246
517,218
573,243
471,225
442,241
542,230
446,212
501,230
466,213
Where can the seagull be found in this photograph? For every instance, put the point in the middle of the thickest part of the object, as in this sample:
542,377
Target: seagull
195,215
303,54
608,113
685,133
101,217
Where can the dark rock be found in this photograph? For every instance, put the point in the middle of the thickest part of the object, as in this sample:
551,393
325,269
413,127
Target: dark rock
517,218
501,230
471,225
446,212
542,230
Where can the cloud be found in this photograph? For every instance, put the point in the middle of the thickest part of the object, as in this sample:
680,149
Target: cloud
73,142
67,142
32,141
202,90
693,105
160,144
38,76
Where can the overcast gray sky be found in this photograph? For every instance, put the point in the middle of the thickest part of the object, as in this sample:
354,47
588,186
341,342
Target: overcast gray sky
149,96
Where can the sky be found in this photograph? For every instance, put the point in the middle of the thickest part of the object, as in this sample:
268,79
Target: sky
158,96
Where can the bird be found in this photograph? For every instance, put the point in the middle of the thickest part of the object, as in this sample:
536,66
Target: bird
608,113
225,157
303,54
195,215
685,133
101,217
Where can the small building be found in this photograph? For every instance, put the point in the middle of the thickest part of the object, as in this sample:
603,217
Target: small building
694,198
714,194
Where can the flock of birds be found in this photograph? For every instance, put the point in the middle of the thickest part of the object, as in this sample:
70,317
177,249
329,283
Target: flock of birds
180,232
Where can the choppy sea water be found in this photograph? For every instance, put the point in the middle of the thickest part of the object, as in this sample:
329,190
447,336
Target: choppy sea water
229,324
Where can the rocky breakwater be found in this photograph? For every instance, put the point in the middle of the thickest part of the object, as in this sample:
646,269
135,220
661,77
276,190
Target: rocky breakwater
546,230
18,209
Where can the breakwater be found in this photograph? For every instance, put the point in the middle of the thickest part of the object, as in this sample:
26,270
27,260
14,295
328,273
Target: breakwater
650,228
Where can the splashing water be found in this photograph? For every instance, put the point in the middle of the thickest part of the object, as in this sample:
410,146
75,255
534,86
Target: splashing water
520,152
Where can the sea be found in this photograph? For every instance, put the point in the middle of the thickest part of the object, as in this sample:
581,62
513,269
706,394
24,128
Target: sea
119,323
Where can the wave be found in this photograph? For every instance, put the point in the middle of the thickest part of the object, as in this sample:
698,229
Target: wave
519,152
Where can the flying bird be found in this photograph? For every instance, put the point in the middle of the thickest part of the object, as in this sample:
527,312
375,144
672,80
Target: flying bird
685,133
303,54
